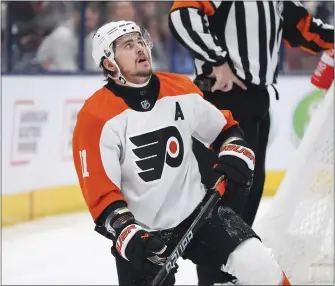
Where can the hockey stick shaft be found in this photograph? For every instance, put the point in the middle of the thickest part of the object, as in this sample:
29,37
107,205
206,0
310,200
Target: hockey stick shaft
188,236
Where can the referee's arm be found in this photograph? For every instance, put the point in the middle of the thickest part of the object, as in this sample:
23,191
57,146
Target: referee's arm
301,29
188,23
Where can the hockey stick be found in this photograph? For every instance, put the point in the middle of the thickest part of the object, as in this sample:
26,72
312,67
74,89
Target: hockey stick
188,236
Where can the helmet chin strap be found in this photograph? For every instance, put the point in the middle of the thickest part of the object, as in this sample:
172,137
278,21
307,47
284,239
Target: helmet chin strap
124,80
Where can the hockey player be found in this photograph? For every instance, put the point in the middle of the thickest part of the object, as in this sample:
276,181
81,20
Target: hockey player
132,149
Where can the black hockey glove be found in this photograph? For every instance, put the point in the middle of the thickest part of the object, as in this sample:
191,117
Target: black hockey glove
236,161
132,242
139,247
143,250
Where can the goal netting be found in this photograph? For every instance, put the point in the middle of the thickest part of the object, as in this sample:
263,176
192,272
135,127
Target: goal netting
299,226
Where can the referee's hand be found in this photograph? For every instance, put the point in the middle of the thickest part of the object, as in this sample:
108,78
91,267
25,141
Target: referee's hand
225,79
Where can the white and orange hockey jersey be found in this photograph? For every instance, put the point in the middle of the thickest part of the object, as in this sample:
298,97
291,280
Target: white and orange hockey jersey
146,158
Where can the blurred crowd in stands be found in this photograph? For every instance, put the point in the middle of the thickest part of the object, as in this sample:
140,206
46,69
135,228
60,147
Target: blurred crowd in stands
55,36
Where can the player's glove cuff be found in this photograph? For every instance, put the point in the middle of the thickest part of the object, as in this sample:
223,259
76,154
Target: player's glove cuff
243,153
125,236
236,161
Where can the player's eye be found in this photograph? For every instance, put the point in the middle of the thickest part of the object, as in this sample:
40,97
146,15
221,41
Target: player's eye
141,42
129,45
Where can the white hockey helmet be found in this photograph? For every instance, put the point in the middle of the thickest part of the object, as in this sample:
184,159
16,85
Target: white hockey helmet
106,36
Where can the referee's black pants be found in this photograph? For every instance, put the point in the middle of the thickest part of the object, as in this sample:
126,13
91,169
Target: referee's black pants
251,109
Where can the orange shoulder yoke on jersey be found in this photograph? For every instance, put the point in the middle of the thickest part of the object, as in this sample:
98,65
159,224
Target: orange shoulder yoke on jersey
104,104
174,84
205,6
98,190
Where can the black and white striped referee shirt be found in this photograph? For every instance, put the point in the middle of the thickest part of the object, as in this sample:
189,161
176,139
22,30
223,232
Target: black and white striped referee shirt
246,34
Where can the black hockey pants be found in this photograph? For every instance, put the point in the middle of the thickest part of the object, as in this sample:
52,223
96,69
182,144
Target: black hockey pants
251,109
221,233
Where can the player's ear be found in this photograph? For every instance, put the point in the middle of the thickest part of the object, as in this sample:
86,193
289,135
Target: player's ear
109,65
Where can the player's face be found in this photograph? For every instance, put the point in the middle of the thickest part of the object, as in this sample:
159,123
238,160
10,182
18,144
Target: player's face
133,57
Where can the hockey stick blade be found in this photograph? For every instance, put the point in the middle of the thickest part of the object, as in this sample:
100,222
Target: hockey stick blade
188,236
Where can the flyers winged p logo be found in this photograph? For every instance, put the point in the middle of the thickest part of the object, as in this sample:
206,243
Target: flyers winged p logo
156,148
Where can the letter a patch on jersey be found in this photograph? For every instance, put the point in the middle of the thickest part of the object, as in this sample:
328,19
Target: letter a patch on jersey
156,148
179,112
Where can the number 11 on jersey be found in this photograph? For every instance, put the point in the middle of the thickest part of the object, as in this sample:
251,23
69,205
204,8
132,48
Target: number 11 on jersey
82,155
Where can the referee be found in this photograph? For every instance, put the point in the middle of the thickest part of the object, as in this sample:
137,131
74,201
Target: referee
235,45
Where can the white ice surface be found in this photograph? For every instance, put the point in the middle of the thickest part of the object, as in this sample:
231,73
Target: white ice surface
64,250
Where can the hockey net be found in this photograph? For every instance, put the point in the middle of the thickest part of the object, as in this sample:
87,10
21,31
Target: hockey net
299,226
